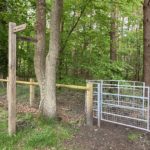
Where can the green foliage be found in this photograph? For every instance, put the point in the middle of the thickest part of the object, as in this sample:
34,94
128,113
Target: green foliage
19,12
86,55
85,39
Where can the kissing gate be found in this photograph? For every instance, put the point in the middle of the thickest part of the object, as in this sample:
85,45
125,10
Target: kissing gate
121,102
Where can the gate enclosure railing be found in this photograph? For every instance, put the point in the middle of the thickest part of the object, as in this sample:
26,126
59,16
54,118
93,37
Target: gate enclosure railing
121,102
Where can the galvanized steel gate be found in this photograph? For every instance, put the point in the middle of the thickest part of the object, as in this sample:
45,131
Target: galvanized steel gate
121,102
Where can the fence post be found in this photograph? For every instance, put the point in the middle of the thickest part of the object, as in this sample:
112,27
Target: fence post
32,93
7,89
89,104
11,89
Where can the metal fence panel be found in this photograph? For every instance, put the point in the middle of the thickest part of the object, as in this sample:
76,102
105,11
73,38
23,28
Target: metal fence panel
121,102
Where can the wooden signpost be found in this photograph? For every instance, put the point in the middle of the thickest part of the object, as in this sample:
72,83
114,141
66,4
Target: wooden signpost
11,89
19,28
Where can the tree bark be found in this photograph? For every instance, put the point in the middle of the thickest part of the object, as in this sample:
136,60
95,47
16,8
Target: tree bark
39,56
146,71
46,70
138,55
113,34
49,104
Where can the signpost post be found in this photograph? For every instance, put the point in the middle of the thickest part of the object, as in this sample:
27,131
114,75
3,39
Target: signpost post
11,87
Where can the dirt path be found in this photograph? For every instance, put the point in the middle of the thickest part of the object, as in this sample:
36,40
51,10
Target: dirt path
109,137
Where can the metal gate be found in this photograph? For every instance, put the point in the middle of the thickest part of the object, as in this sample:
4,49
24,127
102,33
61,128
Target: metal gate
121,102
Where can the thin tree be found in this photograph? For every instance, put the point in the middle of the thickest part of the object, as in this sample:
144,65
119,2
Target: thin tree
46,70
146,71
113,33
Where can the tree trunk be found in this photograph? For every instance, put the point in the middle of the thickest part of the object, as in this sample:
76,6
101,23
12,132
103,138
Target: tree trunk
138,55
146,71
49,104
39,56
46,73
113,34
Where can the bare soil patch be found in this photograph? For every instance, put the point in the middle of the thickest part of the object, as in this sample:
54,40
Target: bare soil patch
109,137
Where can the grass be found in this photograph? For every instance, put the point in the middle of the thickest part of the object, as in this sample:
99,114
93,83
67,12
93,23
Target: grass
133,136
33,133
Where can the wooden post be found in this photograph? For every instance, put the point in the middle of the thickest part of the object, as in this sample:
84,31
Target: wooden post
7,87
89,104
11,93
32,93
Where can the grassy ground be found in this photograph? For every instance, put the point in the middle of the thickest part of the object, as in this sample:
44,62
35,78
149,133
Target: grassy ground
33,133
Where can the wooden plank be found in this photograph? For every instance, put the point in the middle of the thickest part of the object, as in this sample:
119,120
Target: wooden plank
11,93
19,28
27,83
27,39
78,87
72,86
89,104
4,80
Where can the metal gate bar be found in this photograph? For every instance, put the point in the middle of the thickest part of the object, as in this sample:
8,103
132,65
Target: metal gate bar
121,102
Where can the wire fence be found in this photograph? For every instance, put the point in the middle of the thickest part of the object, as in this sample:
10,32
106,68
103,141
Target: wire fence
3,87
28,92
70,102
22,94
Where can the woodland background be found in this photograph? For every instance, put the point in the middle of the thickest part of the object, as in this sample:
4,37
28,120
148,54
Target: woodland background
99,40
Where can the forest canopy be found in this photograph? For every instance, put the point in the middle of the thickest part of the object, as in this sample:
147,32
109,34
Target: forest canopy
99,39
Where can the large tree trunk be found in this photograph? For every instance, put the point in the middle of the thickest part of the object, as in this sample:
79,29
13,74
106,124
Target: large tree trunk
46,73
39,56
146,71
49,104
113,34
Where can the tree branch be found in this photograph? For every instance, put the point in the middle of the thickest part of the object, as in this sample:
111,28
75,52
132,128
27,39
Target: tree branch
75,24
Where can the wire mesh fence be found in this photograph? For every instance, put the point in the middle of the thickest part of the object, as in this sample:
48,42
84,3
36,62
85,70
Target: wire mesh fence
70,103
3,92
3,89
22,94
121,102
